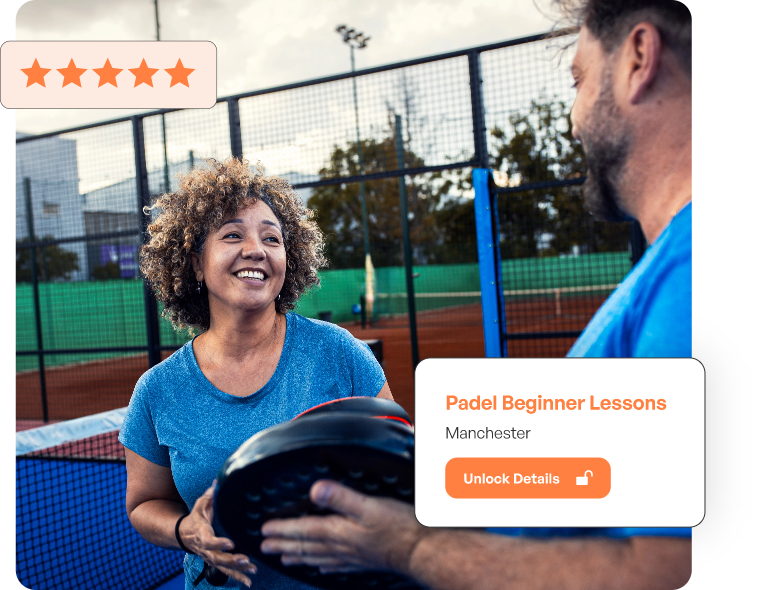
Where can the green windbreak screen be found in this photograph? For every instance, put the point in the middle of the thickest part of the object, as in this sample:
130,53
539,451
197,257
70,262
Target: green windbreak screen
111,313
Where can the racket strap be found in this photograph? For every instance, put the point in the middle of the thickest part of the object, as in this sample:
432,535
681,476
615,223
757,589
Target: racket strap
200,577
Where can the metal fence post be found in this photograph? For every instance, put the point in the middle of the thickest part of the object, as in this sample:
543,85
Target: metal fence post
407,247
235,130
481,152
637,242
36,295
144,200
492,312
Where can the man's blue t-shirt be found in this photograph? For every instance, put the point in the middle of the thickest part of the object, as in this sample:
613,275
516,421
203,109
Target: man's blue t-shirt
178,419
650,313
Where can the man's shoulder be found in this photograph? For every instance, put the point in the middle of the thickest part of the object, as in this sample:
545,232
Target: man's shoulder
677,237
658,319
668,263
649,314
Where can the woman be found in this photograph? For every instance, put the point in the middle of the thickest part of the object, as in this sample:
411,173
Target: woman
228,254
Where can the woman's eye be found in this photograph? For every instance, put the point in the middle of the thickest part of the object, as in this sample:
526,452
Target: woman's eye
273,239
231,235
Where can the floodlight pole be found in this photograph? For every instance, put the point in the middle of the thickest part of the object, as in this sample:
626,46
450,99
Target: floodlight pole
162,116
362,196
349,36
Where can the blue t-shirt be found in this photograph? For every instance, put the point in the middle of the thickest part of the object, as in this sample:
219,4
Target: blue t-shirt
650,313
178,419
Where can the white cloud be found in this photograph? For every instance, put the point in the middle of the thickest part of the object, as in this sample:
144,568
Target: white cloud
266,43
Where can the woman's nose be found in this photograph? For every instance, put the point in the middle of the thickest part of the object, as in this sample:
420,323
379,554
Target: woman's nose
252,248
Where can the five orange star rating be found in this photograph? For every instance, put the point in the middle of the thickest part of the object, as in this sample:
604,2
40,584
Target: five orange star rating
108,74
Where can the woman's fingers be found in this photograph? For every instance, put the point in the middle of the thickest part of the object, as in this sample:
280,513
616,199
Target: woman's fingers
198,535
209,542
236,566
235,561
236,575
203,541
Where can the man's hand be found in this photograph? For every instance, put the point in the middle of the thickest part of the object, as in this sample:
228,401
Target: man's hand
197,534
366,533
382,534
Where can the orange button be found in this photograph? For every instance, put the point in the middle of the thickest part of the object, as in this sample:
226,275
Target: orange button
528,477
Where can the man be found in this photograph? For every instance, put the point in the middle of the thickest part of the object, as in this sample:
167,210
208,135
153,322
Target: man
633,115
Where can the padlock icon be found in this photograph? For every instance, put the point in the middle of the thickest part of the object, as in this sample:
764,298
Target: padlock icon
583,481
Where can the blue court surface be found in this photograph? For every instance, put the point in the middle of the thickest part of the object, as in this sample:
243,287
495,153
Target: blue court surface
174,584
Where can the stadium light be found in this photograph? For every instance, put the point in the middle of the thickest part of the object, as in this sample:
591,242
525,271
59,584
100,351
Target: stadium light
356,40
351,36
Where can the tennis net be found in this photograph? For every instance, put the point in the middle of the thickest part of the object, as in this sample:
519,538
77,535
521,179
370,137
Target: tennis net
71,527
389,304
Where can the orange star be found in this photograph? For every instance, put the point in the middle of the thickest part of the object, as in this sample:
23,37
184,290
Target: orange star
143,74
35,74
179,74
71,74
107,74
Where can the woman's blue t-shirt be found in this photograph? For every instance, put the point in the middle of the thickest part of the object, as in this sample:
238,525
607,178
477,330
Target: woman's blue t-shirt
178,419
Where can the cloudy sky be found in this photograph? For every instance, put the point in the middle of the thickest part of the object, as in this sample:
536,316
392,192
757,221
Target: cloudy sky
264,43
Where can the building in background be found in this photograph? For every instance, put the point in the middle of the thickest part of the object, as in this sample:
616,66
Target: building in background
50,164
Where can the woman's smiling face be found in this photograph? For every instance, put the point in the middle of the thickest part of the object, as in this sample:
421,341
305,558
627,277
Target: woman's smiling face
243,263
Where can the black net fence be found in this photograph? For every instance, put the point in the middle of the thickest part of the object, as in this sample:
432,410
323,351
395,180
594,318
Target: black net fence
72,531
87,327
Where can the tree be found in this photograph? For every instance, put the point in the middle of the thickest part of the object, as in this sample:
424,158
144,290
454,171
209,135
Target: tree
108,270
338,207
539,147
53,262
536,147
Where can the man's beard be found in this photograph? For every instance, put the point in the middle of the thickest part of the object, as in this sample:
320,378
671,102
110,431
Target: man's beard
607,140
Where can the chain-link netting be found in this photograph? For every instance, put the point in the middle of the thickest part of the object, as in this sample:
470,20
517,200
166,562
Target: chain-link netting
83,335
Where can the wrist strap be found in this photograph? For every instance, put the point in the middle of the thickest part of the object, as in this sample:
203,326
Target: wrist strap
178,535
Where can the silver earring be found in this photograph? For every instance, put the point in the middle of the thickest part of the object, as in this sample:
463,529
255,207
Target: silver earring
279,297
199,287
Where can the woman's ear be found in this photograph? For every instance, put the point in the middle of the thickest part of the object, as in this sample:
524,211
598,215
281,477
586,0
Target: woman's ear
197,267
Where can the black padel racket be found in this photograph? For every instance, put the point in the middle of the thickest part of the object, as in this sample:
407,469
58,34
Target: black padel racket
271,474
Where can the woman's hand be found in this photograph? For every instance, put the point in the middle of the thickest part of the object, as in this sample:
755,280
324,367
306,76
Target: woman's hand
197,534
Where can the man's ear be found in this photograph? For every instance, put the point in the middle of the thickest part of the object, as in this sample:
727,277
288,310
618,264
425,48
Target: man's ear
643,50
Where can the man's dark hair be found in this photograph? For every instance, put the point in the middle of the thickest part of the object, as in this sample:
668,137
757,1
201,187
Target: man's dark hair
610,21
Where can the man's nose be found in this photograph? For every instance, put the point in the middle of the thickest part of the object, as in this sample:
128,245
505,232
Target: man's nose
576,132
573,121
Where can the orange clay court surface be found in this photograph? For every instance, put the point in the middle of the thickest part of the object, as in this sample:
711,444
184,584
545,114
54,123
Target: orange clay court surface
89,388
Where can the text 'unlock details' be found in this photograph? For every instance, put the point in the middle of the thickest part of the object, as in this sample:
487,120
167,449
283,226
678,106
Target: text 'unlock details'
560,442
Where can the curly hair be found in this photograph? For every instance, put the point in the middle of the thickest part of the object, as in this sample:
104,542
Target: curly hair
207,196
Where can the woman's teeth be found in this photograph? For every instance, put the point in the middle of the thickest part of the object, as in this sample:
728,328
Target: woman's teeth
250,274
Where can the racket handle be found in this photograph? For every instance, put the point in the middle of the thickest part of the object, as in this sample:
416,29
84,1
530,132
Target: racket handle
212,575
